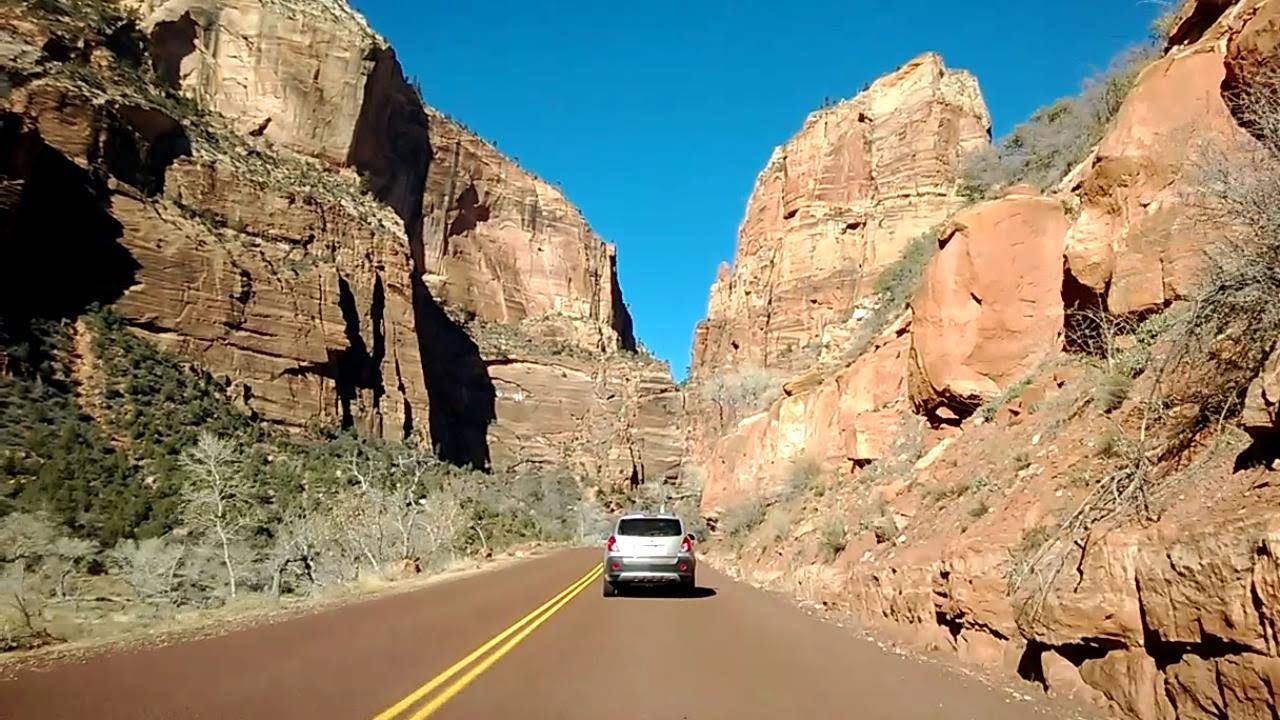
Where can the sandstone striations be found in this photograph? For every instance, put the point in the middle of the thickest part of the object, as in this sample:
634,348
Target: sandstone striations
982,491
835,205
507,247
264,192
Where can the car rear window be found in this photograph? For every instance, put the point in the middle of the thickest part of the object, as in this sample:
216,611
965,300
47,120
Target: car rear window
649,527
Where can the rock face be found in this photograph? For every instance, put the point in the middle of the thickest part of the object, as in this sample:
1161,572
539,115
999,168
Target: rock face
509,248
498,242
615,419
1013,539
990,307
1262,403
1254,51
316,323
294,72
851,417
307,229
1131,245
835,205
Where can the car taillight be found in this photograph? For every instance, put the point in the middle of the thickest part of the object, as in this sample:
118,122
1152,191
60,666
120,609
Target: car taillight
686,545
611,544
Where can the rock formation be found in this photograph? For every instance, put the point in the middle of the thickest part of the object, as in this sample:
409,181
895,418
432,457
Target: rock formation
1132,245
291,216
990,306
1039,537
851,418
509,248
835,205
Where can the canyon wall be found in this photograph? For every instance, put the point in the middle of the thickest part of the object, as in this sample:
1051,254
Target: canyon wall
279,205
837,203
983,492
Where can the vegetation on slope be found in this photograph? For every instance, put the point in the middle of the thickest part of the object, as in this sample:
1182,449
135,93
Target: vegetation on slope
169,496
1056,138
893,290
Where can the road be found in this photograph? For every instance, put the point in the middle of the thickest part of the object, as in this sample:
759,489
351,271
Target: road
456,651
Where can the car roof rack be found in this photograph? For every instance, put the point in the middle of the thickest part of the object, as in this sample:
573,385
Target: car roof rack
639,515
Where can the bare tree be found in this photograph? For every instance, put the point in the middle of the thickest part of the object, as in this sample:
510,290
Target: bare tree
743,391
396,508
298,544
35,563
444,519
150,567
20,609
403,501
67,554
25,537
1235,203
592,521
217,498
357,527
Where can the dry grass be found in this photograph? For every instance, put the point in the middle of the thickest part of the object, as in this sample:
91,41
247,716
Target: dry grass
740,519
833,536
878,520
743,391
93,627
803,479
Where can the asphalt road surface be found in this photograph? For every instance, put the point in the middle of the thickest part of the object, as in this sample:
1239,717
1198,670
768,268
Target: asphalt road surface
525,642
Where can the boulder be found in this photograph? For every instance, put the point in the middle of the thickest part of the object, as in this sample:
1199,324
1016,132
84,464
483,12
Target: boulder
990,308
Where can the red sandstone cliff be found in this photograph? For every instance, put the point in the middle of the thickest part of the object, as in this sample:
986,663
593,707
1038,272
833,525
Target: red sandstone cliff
837,203
985,492
303,225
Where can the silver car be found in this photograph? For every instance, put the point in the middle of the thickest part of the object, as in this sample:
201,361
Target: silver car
649,550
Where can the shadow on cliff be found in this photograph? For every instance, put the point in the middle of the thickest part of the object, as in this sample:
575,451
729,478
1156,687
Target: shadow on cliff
60,252
392,150
359,367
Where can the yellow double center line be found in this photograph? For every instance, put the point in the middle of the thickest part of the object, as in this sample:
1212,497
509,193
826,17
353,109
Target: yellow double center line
512,636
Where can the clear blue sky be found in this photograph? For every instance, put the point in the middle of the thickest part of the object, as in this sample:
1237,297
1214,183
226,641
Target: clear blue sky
655,116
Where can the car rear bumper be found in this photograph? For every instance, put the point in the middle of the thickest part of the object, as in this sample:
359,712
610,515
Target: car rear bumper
645,570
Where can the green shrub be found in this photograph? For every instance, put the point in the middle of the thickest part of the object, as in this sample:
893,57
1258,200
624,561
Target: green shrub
54,459
155,400
893,290
1013,392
